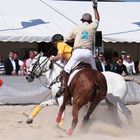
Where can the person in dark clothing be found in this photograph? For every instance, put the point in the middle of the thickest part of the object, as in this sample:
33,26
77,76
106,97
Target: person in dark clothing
120,68
11,67
101,63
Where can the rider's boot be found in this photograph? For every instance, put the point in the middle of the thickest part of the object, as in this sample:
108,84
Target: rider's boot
64,81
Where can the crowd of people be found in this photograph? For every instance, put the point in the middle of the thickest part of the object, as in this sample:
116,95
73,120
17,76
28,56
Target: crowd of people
123,64
12,65
83,36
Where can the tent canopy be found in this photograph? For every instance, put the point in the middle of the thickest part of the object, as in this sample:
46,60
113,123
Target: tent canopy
38,20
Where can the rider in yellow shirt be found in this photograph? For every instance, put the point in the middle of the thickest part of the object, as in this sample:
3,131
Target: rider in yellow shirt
64,53
64,50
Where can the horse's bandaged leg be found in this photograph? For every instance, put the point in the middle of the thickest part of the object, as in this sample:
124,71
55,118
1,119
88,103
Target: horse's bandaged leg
58,119
62,120
35,111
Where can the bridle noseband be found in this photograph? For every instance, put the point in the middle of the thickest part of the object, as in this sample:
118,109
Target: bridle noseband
41,67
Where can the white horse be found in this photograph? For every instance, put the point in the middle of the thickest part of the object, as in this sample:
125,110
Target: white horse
117,88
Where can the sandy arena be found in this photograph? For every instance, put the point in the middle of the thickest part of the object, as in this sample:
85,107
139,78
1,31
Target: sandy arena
102,125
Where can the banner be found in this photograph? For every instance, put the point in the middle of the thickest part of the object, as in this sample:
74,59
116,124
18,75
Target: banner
16,90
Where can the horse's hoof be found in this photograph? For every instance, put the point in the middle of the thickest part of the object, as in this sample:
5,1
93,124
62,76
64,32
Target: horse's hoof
61,123
69,132
30,120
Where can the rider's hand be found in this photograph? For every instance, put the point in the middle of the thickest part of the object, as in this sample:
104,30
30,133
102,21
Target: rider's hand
52,58
94,5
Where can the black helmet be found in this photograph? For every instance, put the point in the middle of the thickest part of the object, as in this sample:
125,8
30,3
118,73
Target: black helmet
57,37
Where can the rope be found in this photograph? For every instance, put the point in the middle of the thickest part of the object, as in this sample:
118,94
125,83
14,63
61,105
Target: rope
58,12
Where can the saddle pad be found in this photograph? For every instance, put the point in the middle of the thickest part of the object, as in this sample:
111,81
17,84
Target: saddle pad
72,75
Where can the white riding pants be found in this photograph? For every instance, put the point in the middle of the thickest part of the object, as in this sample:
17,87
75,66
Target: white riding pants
80,55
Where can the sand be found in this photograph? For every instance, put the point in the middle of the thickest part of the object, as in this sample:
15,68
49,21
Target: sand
103,125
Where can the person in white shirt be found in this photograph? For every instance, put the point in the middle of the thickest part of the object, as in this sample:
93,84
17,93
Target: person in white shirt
123,55
130,65
29,61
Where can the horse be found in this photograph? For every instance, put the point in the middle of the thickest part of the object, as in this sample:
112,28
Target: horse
116,85
87,85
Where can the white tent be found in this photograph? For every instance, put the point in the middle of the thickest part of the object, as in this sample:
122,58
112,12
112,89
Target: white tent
38,20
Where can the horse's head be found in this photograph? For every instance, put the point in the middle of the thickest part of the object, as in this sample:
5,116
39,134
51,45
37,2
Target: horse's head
37,67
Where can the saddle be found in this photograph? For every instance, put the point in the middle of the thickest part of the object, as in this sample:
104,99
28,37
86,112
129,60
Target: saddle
81,65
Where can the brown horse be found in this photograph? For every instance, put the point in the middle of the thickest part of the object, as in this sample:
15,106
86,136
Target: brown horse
86,86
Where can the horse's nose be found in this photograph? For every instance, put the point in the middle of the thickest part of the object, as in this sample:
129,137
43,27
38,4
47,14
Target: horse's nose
29,78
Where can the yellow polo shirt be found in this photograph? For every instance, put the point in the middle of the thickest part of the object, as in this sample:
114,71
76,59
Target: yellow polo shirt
64,49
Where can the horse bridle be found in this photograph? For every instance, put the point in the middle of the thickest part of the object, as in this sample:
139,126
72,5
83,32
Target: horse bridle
37,66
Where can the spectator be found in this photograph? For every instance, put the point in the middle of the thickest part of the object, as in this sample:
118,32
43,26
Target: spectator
139,67
2,71
11,67
35,53
120,68
123,55
114,58
19,63
101,63
29,60
130,65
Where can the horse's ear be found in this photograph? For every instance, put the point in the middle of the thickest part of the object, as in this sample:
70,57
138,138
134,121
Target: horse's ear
41,53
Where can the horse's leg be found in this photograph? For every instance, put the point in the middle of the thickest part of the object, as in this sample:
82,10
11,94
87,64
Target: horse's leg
63,106
75,110
127,113
60,101
38,108
118,103
99,95
113,111
90,110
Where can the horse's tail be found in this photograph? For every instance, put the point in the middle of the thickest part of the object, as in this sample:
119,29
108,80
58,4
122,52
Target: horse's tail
100,84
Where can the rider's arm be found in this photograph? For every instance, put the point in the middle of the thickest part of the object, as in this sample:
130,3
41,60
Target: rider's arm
96,13
60,48
56,58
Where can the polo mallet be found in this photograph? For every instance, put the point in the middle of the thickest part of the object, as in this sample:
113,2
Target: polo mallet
36,109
